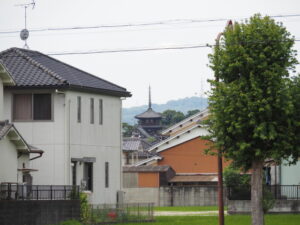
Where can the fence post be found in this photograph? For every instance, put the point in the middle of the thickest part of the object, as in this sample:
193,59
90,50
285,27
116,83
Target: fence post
37,192
65,192
51,197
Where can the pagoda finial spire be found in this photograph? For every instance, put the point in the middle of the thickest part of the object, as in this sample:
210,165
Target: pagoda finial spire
149,97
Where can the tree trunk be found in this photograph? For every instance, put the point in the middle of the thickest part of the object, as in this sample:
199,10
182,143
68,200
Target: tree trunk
257,193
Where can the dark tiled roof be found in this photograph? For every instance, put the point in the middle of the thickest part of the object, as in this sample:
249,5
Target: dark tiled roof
163,168
33,69
134,144
194,178
150,113
4,128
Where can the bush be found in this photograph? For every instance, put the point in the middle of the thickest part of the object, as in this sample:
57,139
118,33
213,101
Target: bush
70,222
85,209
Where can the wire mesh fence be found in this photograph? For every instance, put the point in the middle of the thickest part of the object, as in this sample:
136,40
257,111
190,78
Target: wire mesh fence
118,213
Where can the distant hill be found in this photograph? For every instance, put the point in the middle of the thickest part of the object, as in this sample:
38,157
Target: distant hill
182,105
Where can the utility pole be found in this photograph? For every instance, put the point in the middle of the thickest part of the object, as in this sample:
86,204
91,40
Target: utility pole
220,163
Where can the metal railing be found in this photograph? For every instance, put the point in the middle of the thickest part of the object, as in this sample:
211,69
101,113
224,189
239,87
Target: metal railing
291,192
13,191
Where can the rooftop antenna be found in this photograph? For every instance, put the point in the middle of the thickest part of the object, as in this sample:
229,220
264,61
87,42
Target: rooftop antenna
24,34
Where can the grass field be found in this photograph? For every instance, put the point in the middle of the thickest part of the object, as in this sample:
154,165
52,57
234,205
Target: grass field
213,220
187,208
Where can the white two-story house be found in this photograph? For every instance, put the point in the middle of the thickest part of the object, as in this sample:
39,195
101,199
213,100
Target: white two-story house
73,116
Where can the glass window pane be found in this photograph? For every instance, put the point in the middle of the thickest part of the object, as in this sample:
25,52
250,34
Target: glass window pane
78,109
100,111
22,107
92,110
42,106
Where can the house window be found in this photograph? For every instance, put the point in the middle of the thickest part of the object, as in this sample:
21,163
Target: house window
32,107
79,109
106,174
88,176
92,110
100,111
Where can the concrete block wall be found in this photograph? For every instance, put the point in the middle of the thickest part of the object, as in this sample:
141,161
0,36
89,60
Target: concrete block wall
281,206
173,196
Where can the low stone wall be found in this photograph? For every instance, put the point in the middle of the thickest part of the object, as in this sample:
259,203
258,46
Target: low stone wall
141,195
42,212
281,206
173,196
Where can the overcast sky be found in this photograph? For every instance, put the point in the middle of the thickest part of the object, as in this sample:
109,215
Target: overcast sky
172,74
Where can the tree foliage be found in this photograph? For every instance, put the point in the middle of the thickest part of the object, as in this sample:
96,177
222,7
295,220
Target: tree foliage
253,107
170,117
127,130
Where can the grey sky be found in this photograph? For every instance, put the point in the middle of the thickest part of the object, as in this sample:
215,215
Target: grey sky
172,74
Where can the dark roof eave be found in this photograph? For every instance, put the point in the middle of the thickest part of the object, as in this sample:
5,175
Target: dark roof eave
73,87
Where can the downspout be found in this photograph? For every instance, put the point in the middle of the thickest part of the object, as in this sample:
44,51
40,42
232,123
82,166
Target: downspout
121,147
69,143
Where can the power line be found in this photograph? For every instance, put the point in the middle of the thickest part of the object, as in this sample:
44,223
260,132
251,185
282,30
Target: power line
103,51
164,22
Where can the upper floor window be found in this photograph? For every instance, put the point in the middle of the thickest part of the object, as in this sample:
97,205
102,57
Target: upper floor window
28,107
100,111
92,110
79,109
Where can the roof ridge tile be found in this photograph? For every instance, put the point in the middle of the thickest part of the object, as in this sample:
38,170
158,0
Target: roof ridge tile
35,63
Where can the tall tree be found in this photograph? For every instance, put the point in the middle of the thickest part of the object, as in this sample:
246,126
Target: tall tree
252,107
170,117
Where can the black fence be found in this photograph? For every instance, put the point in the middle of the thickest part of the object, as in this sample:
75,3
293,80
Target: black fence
12,191
278,192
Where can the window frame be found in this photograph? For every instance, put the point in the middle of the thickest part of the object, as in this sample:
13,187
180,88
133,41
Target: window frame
106,171
92,111
32,106
101,111
79,109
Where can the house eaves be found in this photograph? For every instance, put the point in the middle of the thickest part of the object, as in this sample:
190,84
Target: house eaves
7,79
9,131
186,135
154,158
32,69
183,123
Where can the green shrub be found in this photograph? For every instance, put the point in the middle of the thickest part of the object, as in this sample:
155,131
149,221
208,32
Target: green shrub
85,209
70,222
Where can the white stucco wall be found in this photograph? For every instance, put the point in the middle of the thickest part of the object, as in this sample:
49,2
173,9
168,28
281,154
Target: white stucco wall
290,174
8,161
64,138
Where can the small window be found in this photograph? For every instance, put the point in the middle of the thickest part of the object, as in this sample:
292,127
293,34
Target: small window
100,111
88,176
92,110
79,109
106,174
27,107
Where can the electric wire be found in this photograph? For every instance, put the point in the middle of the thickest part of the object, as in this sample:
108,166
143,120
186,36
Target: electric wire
164,22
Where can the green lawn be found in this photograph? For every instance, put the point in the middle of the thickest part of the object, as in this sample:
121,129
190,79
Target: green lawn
213,220
187,208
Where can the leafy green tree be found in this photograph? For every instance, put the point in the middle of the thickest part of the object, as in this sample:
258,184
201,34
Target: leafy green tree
170,117
253,113
127,129
191,112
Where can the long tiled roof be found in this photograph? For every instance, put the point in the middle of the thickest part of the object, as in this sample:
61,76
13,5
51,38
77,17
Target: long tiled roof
32,69
150,113
161,168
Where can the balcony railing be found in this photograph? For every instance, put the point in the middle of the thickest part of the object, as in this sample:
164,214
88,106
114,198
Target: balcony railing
12,191
278,191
